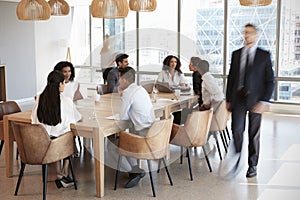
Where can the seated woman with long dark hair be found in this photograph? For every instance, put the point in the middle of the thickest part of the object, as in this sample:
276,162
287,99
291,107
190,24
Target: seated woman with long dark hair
56,112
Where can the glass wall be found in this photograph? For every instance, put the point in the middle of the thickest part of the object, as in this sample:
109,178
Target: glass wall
157,38
288,70
210,29
202,22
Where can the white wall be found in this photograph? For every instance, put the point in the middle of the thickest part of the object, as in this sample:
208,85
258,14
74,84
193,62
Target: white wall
51,40
30,49
17,52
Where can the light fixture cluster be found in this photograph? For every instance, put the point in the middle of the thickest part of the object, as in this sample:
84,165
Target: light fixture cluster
119,8
41,9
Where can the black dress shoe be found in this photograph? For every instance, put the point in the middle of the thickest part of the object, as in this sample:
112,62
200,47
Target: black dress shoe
132,175
252,171
133,181
58,183
136,171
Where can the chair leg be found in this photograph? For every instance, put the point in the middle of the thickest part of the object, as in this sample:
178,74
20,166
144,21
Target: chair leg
151,179
218,146
45,174
80,146
227,133
189,161
169,176
206,158
158,167
223,141
117,172
20,177
72,171
225,138
17,154
1,146
181,152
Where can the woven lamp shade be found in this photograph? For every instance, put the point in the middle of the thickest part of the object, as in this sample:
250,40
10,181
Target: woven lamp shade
33,10
110,9
255,2
59,7
142,5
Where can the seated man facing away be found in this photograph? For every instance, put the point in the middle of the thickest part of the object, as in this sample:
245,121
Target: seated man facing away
136,106
212,94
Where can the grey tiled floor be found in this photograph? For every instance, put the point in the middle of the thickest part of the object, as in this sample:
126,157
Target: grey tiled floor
278,173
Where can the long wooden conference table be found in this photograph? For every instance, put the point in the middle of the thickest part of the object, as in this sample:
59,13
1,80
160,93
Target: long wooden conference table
96,125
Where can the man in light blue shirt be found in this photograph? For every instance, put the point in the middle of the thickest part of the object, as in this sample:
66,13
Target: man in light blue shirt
136,106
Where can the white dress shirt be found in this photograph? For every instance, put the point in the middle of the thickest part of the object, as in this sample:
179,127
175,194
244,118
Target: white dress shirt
70,89
69,114
211,92
165,76
137,107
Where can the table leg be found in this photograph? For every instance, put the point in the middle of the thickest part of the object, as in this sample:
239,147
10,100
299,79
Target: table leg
8,144
99,161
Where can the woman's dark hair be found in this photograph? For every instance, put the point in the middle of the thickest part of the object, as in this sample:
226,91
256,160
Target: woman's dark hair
48,111
59,66
166,63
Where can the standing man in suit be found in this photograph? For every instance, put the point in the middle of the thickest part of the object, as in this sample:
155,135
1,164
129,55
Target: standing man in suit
249,89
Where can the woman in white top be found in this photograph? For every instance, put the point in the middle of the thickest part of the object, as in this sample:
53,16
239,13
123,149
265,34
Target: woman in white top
71,86
171,72
56,112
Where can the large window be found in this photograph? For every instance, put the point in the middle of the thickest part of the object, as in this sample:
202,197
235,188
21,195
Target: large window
289,53
264,17
210,29
157,37
202,22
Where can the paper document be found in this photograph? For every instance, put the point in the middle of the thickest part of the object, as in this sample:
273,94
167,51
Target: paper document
116,117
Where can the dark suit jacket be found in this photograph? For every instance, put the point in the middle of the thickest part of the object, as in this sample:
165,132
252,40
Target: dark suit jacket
197,86
259,79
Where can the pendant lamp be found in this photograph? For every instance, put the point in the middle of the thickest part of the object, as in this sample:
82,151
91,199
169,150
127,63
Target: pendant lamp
109,8
255,2
142,5
33,10
59,7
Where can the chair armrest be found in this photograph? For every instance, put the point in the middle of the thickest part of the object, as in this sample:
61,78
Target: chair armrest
141,147
60,148
179,136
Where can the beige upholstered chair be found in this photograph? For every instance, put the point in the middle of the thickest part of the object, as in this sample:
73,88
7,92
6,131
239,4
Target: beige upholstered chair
154,146
219,124
6,108
36,148
193,134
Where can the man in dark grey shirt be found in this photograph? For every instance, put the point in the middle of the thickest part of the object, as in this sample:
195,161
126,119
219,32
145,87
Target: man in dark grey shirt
113,75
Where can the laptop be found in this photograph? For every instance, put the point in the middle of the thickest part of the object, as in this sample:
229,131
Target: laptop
148,85
164,87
